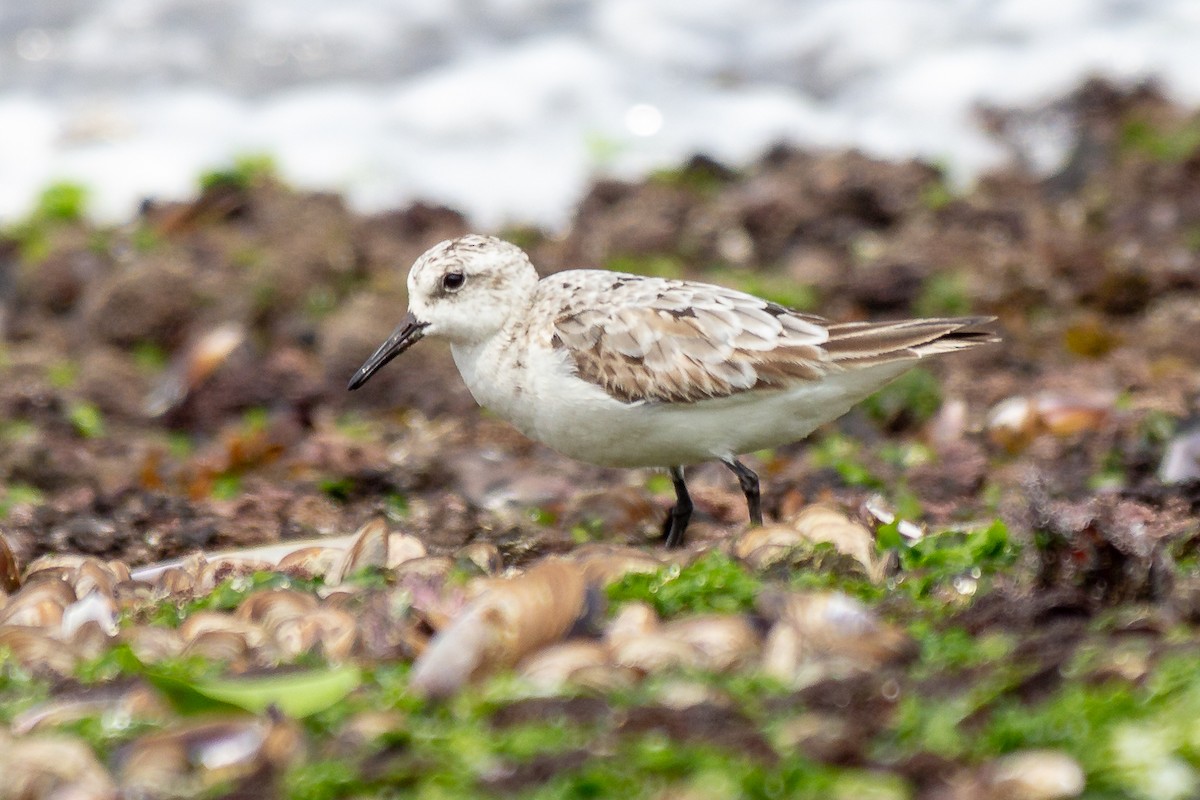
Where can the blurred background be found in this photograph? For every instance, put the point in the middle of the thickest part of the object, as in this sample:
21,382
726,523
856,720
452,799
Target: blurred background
173,379
505,108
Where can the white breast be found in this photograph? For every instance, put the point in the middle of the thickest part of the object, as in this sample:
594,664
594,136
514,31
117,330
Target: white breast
534,389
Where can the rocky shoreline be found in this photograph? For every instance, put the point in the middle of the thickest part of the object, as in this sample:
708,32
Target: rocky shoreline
1010,535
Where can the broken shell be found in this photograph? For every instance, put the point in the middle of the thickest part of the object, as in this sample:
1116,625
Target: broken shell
47,584
404,547
878,509
200,756
192,564
509,620
90,641
432,569
52,766
190,369
59,565
270,607
115,702
39,604
764,547
822,523
133,594
152,644
203,622
219,570
558,665
267,556
604,564
369,549
37,651
10,574
329,631
226,647
1036,775
835,625
94,575
1013,423
31,613
433,602
312,561
1017,421
781,652
633,620
119,570
386,630
723,641
654,652
1067,415
680,694
94,608
605,678
1181,458
483,557
949,424
339,596
827,737
174,582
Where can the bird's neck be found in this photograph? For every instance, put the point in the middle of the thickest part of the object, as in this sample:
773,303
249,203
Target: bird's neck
482,363
490,364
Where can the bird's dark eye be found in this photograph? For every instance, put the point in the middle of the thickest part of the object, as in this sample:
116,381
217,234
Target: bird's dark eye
453,281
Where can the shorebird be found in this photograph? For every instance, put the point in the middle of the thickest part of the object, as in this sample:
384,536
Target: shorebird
624,370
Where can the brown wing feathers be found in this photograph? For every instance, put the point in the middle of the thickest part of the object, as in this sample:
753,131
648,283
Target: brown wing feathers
694,342
668,355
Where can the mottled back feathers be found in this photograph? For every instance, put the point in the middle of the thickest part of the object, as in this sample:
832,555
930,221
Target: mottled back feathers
656,340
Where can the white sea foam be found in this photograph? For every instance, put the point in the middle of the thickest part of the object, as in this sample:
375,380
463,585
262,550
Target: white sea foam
505,108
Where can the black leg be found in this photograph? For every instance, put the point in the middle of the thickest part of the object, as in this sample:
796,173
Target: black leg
677,518
749,483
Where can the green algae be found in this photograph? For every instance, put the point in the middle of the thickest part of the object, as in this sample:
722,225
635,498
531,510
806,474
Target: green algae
713,582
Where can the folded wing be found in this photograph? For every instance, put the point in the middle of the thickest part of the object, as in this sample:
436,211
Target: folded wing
654,340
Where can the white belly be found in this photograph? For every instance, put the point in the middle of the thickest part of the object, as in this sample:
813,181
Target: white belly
537,394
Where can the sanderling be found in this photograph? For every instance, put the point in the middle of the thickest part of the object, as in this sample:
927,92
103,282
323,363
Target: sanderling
629,371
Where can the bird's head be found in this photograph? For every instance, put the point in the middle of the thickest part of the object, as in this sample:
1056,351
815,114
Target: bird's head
463,290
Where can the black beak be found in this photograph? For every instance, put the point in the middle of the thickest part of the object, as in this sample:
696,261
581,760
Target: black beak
407,333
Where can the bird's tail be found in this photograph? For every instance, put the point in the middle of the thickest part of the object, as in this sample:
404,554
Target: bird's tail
865,344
